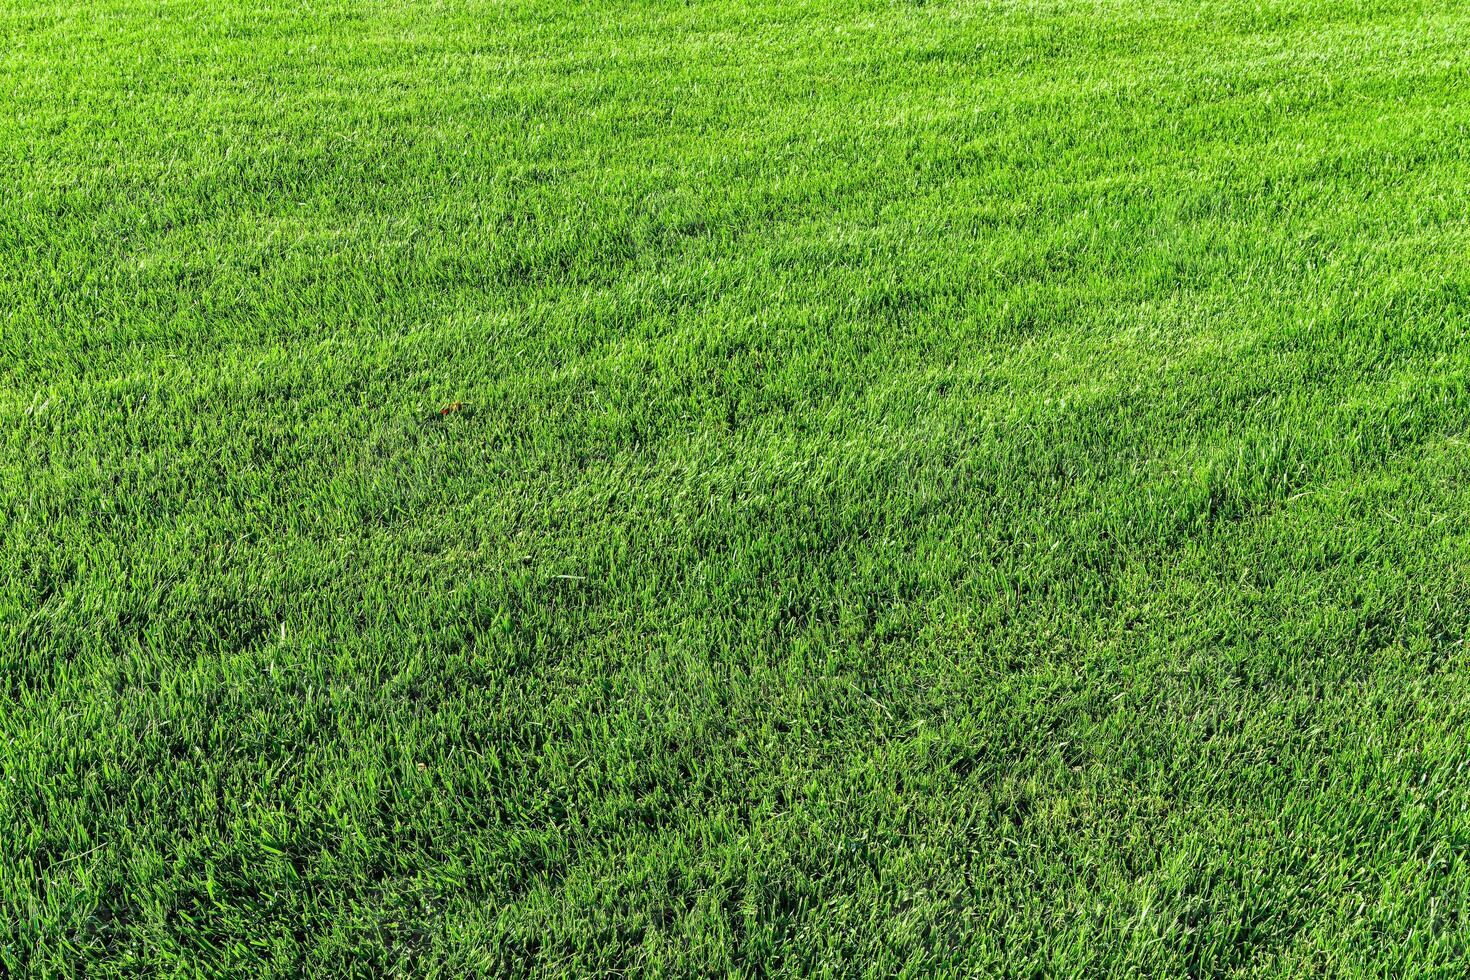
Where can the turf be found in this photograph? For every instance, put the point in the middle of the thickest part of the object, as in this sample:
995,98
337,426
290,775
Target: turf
818,487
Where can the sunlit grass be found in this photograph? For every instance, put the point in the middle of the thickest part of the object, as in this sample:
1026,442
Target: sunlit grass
831,487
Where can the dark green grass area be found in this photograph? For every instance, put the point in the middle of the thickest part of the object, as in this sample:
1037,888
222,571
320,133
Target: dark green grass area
822,487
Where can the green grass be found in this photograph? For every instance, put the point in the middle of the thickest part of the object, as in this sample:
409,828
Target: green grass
940,488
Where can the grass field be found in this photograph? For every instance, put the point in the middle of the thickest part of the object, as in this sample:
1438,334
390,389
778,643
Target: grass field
750,487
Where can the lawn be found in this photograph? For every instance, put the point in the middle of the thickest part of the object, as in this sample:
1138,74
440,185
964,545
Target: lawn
734,487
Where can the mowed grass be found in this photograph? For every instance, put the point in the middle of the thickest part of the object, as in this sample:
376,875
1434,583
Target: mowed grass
735,487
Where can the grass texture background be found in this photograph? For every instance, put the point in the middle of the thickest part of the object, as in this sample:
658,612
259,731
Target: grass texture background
734,487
